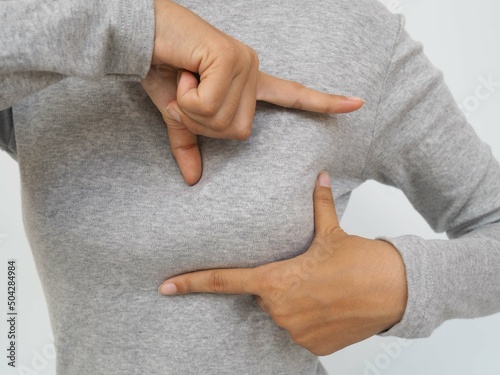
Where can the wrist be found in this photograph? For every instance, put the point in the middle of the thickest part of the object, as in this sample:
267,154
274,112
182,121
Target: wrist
181,37
162,8
394,279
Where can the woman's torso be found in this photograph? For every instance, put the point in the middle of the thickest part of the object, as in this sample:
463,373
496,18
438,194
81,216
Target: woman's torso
109,217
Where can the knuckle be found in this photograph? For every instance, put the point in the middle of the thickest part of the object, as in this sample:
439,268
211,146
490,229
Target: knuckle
186,286
332,108
216,282
321,350
264,285
169,122
279,321
219,126
316,350
185,147
332,230
279,317
268,283
239,56
230,52
297,88
172,124
325,199
298,339
209,108
253,57
305,341
243,134
194,127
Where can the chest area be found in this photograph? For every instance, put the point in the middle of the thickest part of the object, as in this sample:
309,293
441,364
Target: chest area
107,189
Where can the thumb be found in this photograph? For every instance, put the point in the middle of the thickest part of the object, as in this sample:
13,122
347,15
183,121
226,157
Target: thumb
325,216
184,143
185,149
160,85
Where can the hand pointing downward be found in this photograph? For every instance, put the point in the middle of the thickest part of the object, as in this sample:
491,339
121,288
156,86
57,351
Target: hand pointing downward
165,85
222,103
342,290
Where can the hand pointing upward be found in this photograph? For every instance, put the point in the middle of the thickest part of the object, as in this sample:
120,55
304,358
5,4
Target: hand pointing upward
222,103
342,290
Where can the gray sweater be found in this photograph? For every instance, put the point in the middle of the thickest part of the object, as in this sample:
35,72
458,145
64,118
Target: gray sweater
109,217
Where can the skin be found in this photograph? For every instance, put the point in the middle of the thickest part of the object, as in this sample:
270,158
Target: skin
221,104
342,290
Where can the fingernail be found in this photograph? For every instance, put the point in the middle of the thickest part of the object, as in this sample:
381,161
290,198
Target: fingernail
174,114
355,99
324,179
168,288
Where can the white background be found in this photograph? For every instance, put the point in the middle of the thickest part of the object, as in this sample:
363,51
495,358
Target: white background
460,37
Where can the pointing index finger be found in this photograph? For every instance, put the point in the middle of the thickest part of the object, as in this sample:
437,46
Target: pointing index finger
291,94
225,281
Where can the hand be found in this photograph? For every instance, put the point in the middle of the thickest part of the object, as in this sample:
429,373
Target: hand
222,103
342,290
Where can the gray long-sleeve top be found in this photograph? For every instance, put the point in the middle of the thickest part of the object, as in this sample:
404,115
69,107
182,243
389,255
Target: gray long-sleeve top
109,217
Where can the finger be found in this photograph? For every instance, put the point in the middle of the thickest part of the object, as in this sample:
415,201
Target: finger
161,86
223,121
192,125
239,131
325,216
187,81
241,124
226,281
294,95
208,96
184,147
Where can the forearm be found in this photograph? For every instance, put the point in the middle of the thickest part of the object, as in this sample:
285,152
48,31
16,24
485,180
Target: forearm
43,42
448,279
455,278
423,145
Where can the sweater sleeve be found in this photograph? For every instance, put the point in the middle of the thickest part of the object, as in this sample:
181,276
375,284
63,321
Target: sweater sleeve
423,145
42,42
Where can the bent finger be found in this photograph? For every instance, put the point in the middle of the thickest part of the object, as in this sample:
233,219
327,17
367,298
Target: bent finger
196,127
207,97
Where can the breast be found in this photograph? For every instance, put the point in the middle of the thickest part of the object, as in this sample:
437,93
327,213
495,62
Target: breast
109,217
106,189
